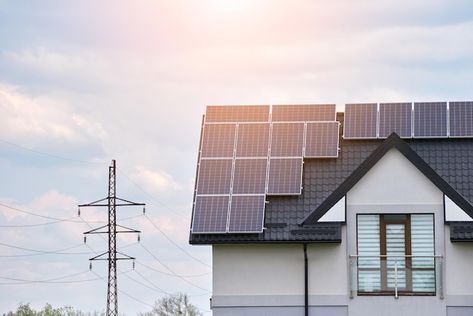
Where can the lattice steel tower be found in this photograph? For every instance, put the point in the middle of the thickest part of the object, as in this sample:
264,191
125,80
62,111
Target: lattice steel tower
111,230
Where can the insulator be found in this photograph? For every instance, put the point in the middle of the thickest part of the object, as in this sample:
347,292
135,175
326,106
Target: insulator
133,264
85,239
78,211
139,238
144,210
90,265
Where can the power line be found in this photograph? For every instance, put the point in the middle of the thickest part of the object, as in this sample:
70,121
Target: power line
38,152
55,220
125,293
60,251
172,271
173,275
52,280
45,252
175,244
154,287
149,195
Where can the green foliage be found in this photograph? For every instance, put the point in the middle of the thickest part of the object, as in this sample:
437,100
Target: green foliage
48,310
174,305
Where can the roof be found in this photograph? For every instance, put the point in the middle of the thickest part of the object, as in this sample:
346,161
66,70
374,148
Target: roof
446,162
461,231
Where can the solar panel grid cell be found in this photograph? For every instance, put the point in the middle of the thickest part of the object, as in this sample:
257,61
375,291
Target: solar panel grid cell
252,140
214,176
322,140
250,176
461,119
395,117
287,139
218,140
303,112
360,121
237,113
246,214
430,119
210,214
285,176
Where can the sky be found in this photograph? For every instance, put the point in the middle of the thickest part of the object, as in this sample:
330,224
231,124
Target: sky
85,82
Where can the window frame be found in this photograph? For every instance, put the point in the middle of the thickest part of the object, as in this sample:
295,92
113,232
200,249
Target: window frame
383,270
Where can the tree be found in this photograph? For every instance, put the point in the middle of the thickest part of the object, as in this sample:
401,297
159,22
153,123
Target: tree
174,305
48,310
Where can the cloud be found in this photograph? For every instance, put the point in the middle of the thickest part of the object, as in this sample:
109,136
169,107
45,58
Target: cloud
155,181
43,119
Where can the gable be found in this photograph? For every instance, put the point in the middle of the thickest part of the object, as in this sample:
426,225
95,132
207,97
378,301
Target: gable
393,141
394,180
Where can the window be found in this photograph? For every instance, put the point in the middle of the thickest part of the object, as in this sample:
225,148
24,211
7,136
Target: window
396,254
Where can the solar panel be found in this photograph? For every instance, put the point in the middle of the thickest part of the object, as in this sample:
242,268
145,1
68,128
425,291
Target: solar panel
395,117
237,113
244,157
360,121
430,119
461,119
252,140
322,140
287,139
246,214
214,176
210,214
250,176
303,112
285,176
218,140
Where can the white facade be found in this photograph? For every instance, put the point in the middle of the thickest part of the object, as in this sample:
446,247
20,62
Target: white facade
268,279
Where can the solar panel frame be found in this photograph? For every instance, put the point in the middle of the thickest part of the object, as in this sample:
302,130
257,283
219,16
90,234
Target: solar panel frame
214,176
325,134
354,113
430,120
252,140
237,113
246,214
249,176
289,169
213,218
461,119
218,140
395,117
303,112
287,139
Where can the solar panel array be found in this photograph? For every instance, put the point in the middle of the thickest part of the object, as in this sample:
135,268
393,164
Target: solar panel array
247,153
418,120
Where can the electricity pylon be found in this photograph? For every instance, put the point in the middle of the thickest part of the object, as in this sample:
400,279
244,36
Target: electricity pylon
111,230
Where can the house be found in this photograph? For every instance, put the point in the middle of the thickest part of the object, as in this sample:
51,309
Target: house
313,212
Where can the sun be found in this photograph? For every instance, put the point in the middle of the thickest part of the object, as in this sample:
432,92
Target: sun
231,5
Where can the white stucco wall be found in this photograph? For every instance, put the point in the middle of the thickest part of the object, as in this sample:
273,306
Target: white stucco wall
394,180
458,267
279,269
258,270
328,268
